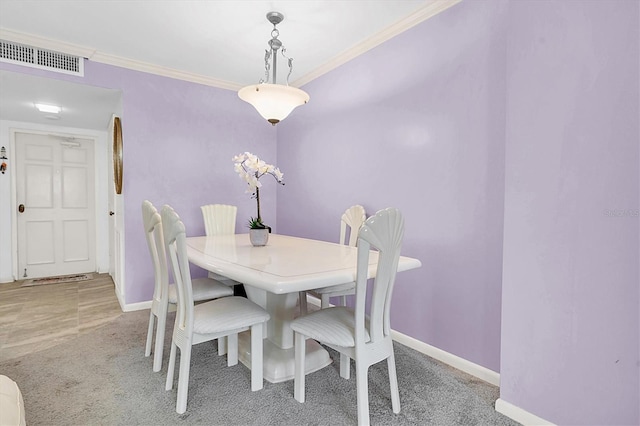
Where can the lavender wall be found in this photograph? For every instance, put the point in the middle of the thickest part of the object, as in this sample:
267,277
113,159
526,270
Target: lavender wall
422,123
570,290
179,139
416,123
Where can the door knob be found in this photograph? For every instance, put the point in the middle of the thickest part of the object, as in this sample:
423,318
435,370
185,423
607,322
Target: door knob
21,208
111,213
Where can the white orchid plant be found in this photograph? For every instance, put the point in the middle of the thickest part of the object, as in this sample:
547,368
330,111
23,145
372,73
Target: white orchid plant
251,169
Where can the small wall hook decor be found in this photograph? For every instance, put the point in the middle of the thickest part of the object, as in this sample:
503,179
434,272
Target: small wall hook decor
3,156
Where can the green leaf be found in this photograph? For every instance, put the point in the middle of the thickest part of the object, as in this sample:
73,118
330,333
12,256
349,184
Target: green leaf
256,223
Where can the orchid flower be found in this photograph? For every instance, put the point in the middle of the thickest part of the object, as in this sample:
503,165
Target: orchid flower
250,168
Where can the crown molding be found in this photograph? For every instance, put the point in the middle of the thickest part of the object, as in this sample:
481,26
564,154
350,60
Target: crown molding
430,9
96,56
132,64
45,43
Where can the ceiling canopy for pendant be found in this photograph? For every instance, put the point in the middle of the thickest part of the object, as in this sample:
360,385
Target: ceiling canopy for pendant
274,102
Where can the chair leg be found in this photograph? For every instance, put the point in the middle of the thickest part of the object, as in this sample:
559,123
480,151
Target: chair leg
299,376
345,366
172,366
222,346
362,393
232,349
159,348
393,383
325,300
302,300
256,357
183,379
147,349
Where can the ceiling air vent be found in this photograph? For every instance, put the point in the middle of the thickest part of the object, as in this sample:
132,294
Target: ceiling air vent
35,57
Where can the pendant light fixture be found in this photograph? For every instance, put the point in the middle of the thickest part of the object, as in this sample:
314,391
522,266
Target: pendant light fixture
273,101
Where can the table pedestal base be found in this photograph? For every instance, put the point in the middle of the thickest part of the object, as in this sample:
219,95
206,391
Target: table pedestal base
278,363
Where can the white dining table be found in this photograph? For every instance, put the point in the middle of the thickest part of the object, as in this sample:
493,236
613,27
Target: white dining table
273,275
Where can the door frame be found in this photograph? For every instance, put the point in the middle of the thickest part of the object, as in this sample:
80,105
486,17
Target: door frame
100,140
115,208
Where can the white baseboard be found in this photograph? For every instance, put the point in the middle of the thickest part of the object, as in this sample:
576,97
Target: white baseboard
132,306
519,415
455,361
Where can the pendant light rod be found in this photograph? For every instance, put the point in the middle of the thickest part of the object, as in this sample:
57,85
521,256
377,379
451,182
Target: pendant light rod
275,18
274,54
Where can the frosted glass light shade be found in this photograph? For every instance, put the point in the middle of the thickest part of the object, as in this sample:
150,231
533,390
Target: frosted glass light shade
274,102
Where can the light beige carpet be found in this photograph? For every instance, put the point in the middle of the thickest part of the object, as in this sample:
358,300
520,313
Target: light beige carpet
103,378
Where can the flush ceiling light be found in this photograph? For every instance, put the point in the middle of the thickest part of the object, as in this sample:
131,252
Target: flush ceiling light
52,109
274,102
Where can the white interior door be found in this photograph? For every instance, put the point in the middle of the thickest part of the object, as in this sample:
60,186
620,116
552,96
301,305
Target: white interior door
55,194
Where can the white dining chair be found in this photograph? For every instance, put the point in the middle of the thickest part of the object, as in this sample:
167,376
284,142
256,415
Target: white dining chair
194,324
351,220
366,339
220,219
165,294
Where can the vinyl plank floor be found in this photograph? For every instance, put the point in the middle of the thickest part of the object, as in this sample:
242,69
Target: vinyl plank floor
39,317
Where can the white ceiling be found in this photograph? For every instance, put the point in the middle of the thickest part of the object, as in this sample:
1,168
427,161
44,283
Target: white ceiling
83,107
215,42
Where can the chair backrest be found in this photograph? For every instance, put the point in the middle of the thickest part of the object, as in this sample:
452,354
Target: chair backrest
219,219
353,217
176,246
384,232
153,232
